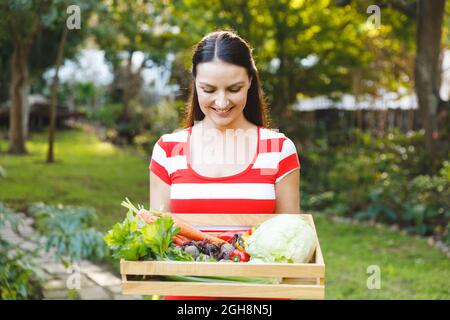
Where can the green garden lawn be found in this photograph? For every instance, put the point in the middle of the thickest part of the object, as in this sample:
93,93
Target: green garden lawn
409,267
89,172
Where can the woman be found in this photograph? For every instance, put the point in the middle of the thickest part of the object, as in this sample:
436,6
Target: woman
225,160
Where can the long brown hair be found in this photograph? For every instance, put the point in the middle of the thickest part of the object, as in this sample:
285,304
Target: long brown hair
228,47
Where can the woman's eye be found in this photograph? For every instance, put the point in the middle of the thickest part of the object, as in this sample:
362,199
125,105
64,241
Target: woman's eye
208,91
235,90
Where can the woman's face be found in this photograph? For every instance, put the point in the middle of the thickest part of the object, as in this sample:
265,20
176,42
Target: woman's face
222,91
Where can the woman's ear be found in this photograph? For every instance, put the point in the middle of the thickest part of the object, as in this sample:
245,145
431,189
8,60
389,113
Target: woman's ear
250,79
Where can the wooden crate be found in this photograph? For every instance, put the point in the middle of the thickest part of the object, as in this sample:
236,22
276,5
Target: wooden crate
300,280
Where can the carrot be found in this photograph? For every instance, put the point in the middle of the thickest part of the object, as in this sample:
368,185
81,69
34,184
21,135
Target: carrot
185,230
178,240
185,239
194,234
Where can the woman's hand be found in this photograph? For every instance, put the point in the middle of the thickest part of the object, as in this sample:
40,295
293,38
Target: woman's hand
146,216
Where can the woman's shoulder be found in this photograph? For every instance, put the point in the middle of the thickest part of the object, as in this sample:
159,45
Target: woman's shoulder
275,141
178,135
268,133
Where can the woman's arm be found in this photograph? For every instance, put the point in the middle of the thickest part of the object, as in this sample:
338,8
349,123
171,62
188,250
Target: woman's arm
159,193
287,193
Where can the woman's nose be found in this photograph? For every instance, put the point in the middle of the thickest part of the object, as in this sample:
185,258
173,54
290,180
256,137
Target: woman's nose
221,101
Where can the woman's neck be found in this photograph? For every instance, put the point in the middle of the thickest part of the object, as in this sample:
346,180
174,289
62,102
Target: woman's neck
240,123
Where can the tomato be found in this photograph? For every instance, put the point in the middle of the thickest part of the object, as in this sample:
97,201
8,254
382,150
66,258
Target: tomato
239,256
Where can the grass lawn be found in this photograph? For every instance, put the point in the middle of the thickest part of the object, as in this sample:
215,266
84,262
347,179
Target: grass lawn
89,172
409,267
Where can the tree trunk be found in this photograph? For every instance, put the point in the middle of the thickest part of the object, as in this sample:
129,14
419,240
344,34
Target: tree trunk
427,69
52,124
19,97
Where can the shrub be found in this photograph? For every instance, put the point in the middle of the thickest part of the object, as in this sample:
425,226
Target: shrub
380,179
20,276
68,230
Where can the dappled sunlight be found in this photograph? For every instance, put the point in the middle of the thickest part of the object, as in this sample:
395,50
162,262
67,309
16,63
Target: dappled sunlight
105,149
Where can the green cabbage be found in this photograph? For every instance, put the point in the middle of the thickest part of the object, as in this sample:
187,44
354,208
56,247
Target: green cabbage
283,238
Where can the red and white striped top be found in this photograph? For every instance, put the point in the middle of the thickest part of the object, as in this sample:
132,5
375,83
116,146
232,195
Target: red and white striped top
250,191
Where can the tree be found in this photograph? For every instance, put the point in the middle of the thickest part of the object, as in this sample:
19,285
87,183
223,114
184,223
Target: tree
33,26
427,70
306,48
52,124
125,28
20,26
428,17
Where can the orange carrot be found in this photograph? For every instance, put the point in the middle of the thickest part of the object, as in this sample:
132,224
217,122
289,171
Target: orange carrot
185,229
178,240
194,234
185,239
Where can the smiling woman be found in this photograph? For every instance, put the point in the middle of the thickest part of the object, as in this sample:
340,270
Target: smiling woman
225,160
225,77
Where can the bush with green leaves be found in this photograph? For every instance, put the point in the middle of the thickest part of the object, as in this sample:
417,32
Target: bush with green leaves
379,179
20,275
420,205
69,231
106,115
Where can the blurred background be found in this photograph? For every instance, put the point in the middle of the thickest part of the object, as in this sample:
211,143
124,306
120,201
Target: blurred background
361,87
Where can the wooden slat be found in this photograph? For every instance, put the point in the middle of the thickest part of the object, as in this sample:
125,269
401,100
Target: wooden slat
298,270
224,289
235,219
309,281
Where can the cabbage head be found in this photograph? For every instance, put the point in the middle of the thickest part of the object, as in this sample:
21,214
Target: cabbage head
283,238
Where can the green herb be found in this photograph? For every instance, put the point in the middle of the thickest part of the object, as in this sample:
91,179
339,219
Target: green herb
133,239
158,235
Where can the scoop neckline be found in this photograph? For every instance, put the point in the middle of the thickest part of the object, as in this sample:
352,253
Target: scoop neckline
188,158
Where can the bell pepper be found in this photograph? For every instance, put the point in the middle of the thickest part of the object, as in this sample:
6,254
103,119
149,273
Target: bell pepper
229,235
239,256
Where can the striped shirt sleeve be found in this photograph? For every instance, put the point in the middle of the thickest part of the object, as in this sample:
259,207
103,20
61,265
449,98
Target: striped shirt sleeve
159,163
289,160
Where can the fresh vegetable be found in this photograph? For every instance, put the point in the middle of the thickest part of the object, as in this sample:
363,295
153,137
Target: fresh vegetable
283,238
239,256
228,236
185,229
238,242
156,236
180,240
134,239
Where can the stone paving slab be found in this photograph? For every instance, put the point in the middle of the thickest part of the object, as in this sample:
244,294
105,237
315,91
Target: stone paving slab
94,293
104,278
114,289
28,246
55,268
127,297
88,267
56,294
55,284
96,283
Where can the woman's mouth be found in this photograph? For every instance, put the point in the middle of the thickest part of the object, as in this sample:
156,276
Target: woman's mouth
222,112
